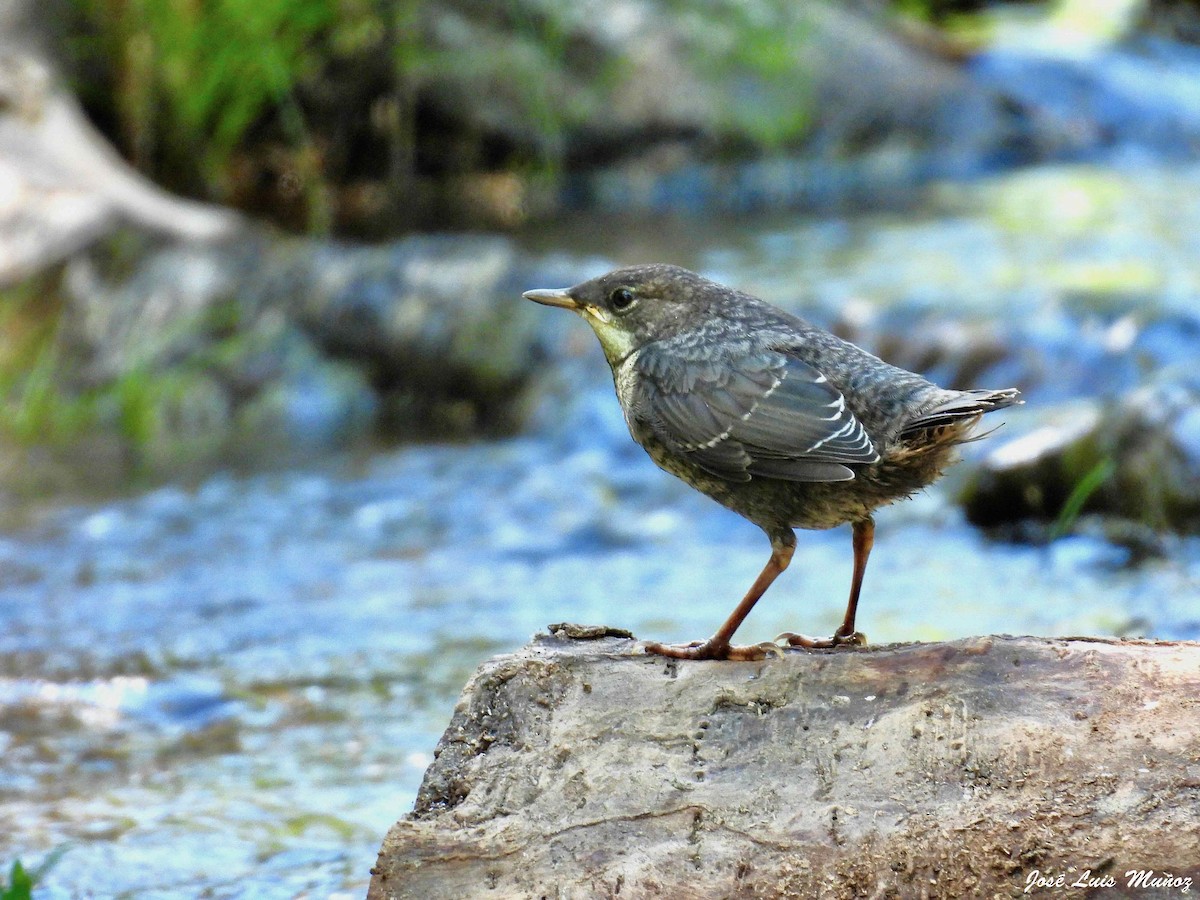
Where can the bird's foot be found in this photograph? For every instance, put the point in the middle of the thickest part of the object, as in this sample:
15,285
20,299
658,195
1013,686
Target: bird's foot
714,650
837,639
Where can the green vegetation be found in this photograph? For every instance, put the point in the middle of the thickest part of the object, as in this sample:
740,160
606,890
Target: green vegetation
189,81
282,102
754,57
21,881
927,10
33,406
1092,481
20,884
159,416
327,114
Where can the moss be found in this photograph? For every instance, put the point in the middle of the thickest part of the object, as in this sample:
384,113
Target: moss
295,826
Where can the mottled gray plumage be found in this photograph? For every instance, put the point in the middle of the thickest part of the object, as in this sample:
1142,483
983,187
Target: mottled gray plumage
779,420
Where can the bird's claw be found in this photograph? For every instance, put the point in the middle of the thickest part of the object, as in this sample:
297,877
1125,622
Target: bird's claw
754,652
710,650
837,639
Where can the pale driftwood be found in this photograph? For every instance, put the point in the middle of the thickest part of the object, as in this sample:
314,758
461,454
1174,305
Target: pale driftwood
62,186
585,769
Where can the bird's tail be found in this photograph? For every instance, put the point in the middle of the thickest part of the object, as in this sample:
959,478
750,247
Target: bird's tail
963,405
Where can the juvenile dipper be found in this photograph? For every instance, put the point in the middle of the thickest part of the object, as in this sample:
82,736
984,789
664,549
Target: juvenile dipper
776,419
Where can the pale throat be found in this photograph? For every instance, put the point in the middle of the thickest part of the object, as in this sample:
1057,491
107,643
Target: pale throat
616,341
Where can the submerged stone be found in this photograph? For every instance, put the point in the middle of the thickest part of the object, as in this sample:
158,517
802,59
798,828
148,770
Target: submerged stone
1136,458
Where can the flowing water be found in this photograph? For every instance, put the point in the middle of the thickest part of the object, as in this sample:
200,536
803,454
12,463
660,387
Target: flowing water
232,689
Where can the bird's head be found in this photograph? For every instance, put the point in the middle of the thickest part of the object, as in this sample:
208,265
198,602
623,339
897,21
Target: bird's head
629,308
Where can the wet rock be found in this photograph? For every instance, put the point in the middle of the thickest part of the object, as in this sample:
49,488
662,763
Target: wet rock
1137,458
587,767
1155,440
438,320
254,347
880,114
1031,476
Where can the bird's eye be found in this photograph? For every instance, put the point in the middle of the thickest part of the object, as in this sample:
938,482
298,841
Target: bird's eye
621,299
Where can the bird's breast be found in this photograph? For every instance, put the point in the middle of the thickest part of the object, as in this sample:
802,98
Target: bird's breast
625,380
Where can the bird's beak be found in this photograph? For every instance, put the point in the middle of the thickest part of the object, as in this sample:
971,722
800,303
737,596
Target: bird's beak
560,297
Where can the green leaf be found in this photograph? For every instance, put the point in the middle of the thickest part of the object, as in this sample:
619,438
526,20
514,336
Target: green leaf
1091,482
20,884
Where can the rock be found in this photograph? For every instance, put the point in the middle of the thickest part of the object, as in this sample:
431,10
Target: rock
969,768
439,319
269,348
1137,458
850,112
634,101
1154,436
1032,475
162,306
699,74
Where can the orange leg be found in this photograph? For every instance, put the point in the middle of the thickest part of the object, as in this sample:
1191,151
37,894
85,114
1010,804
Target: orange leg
783,545
864,539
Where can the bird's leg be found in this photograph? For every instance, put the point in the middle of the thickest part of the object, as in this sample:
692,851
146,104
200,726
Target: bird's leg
783,545
863,539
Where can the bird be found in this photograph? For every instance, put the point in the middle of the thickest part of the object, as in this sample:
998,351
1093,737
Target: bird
776,419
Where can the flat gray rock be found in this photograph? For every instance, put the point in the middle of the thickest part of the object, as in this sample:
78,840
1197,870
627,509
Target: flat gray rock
587,769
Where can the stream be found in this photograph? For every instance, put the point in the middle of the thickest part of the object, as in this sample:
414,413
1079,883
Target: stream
232,688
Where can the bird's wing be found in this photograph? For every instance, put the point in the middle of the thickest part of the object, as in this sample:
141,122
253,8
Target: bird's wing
749,412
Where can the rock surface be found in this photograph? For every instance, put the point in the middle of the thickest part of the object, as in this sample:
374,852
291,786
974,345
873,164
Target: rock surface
438,317
584,768
271,349
1136,459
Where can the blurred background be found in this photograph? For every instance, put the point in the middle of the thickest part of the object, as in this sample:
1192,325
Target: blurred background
284,456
